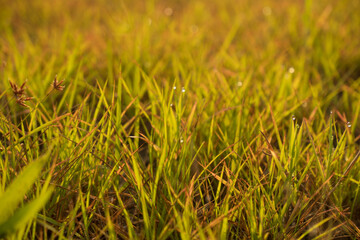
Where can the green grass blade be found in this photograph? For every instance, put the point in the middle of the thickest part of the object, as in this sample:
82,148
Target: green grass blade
24,214
15,192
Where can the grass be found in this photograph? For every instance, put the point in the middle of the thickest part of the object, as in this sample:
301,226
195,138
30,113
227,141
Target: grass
179,120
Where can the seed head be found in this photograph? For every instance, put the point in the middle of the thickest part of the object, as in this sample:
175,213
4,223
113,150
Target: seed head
18,91
57,84
21,100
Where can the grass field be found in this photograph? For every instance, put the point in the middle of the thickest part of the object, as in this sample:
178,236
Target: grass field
179,119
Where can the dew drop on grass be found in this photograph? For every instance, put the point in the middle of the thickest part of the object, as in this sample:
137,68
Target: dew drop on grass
291,70
239,83
349,124
147,64
174,87
168,11
267,11
171,104
181,140
183,89
297,125
293,117
194,29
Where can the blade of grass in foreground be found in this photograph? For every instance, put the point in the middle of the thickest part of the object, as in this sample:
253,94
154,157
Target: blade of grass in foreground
14,194
24,214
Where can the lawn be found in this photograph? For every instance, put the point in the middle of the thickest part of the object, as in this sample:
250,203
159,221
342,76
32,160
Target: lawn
179,119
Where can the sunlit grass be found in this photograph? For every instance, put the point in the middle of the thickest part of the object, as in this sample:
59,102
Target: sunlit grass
181,120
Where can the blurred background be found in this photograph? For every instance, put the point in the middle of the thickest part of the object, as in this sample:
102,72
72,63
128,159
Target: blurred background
210,33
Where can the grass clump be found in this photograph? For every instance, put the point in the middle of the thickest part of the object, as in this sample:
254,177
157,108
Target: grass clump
182,120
